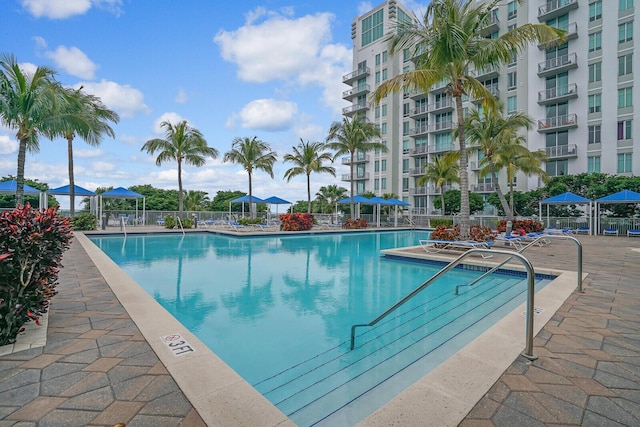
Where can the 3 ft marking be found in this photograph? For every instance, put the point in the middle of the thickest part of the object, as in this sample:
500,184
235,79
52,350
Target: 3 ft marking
178,345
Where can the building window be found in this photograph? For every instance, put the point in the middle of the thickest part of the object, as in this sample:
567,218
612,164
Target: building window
625,4
377,110
595,72
376,166
406,110
372,27
383,184
625,64
513,61
384,74
405,165
595,102
405,184
383,128
512,104
595,136
512,9
512,80
624,162
405,128
595,10
383,165
625,32
405,146
557,167
624,130
593,164
595,41
406,55
624,97
384,110
511,27
377,59
384,57
376,184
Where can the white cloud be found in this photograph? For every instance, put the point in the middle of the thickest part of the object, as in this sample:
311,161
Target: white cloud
73,61
171,117
123,99
8,145
102,166
364,7
41,43
87,153
181,97
28,67
56,9
268,114
129,139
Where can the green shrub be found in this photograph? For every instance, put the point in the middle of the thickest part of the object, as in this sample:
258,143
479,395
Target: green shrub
31,246
187,223
250,221
84,221
446,222
170,222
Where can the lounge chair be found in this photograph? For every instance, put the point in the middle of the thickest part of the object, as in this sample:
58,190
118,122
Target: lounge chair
160,221
236,225
435,246
631,233
581,230
517,242
264,227
610,232
539,238
559,231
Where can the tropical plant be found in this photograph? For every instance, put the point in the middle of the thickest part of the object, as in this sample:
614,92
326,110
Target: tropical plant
452,202
448,46
515,157
87,118
328,196
220,202
182,143
493,135
252,154
296,221
308,157
351,137
196,200
84,221
442,170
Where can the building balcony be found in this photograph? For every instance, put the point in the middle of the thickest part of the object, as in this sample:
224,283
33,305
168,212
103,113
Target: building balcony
440,148
487,187
558,94
444,104
358,158
415,94
353,92
474,166
356,176
419,130
416,171
562,151
355,75
445,126
492,26
419,150
572,33
552,124
433,191
418,191
554,8
420,111
439,87
493,89
353,109
486,73
557,65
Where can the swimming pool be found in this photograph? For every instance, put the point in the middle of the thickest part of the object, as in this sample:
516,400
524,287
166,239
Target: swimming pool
278,310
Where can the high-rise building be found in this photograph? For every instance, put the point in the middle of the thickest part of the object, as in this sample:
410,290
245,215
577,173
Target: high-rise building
583,116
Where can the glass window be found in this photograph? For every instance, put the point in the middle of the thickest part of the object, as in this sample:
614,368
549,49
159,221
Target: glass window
593,164
512,104
624,129
405,184
624,162
511,27
383,129
383,184
513,61
557,167
405,165
405,146
512,80
595,72
406,55
595,102
595,41
512,9
625,4
377,77
383,165
595,10
625,32
376,166
384,74
595,134
406,110
378,59
624,97
376,184
377,110
372,27
384,110
405,128
384,56
625,64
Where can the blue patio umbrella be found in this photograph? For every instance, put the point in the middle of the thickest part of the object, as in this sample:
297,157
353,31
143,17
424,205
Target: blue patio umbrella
379,201
357,199
567,198
244,199
10,187
624,196
65,190
274,200
124,193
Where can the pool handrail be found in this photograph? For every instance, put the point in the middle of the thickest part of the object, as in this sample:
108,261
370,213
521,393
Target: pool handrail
528,352
180,222
123,225
524,248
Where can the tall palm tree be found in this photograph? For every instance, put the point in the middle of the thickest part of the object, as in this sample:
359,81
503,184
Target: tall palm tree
182,143
491,133
351,137
308,157
196,200
252,154
515,157
90,123
448,46
443,170
328,196
28,104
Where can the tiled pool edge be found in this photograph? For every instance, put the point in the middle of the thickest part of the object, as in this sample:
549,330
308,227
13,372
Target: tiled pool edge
223,398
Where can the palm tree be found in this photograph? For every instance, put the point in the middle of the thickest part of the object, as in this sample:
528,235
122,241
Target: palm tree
196,200
492,134
308,157
448,46
441,171
28,104
328,196
251,154
90,117
351,137
515,157
182,143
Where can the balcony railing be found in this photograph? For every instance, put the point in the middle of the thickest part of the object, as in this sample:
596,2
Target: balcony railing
419,149
418,191
416,171
553,8
356,176
421,109
556,64
442,104
441,126
569,150
354,108
485,73
354,75
358,158
483,188
558,93
347,94
558,122
436,148
419,130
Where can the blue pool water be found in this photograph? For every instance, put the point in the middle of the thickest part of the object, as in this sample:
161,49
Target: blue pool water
278,310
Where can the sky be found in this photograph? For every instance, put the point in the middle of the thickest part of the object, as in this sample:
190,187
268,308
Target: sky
271,69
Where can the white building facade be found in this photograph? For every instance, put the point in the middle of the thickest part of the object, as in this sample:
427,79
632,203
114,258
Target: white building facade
580,95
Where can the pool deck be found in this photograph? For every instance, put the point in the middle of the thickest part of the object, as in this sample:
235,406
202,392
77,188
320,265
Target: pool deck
98,369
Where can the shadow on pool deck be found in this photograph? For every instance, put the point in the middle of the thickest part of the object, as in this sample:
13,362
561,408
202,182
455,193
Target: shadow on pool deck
97,369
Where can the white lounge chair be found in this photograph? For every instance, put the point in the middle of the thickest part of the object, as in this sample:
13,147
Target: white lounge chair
610,232
517,242
435,246
631,233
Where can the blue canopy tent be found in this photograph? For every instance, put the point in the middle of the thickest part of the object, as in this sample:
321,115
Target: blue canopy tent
10,187
379,202
78,191
624,196
244,199
123,193
274,200
357,199
567,198
395,202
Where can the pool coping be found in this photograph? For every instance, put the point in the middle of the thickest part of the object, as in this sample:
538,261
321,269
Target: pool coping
222,397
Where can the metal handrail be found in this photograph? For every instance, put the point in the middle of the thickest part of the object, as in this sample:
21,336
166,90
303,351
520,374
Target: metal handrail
123,225
528,352
534,242
181,227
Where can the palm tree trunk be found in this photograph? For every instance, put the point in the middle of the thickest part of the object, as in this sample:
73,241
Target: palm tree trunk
513,210
22,154
465,222
503,201
180,195
72,193
351,205
250,197
308,194
442,201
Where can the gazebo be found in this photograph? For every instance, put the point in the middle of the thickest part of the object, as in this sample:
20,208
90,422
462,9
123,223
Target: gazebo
244,199
65,190
567,198
624,196
123,193
10,187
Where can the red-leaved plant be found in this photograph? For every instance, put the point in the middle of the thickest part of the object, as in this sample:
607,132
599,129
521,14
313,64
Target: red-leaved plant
31,243
526,225
355,223
477,233
296,221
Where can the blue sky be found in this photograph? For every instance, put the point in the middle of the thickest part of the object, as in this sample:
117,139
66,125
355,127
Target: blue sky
271,69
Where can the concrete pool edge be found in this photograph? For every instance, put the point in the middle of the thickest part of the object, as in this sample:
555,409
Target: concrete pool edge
223,398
